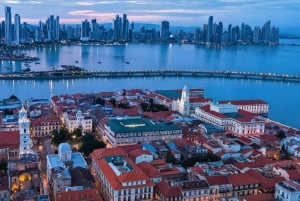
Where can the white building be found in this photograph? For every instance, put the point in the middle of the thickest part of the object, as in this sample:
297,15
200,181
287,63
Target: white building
229,117
25,141
73,120
58,173
120,177
184,103
287,191
255,106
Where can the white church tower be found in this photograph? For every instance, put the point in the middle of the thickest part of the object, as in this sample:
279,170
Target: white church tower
24,126
184,103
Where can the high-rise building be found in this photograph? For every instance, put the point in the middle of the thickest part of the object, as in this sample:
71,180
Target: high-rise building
95,30
266,32
125,27
8,26
17,29
50,28
256,35
117,28
274,35
218,34
57,28
85,30
165,30
210,29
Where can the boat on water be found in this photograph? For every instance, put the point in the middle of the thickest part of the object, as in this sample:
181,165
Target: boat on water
99,62
127,62
77,62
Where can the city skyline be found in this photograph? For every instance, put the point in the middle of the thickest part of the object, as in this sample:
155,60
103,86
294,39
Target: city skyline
178,13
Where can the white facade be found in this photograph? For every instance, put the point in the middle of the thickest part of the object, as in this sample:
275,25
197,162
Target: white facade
287,191
253,106
144,158
238,126
184,103
24,125
80,120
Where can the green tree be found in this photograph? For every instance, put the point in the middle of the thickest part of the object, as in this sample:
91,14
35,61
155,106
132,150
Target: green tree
281,134
100,101
207,157
59,136
113,102
170,158
13,97
78,132
89,144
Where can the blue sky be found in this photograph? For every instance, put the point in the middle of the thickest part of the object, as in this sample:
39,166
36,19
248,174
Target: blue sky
282,13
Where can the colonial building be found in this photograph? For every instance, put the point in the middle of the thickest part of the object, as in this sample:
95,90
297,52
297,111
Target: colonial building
24,173
287,190
135,130
120,177
255,106
43,126
9,145
229,117
244,184
58,166
73,120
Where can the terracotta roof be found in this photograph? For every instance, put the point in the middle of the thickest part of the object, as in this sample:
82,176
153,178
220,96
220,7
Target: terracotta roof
79,195
116,151
42,120
217,180
259,197
265,182
242,179
116,181
200,100
243,102
168,191
130,147
10,139
149,170
138,152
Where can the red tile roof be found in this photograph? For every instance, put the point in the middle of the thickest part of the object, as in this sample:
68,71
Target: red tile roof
42,120
150,170
259,197
116,151
265,182
168,191
79,195
243,102
242,179
9,139
138,152
217,180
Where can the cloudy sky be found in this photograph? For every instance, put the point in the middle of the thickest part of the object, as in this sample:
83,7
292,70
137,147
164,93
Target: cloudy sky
282,13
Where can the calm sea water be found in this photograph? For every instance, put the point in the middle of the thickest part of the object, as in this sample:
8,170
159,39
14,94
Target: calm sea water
283,97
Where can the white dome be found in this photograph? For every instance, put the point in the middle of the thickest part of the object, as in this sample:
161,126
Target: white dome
64,147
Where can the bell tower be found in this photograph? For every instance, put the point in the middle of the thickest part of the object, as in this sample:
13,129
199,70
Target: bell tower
24,127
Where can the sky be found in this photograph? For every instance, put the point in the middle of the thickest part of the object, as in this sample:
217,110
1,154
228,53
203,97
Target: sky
282,13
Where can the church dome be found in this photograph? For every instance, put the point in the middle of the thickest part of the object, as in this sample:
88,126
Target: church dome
64,147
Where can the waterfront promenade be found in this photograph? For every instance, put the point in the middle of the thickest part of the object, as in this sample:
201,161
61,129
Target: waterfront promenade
65,74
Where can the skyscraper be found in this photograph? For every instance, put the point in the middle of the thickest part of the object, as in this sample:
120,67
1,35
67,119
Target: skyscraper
210,29
17,29
85,30
57,29
165,30
8,26
117,28
125,27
